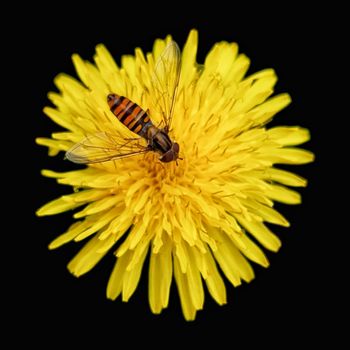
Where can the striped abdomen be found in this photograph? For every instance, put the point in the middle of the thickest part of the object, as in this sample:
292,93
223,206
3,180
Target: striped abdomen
130,114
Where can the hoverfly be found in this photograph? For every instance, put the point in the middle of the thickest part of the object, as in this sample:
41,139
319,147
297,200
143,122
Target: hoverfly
103,146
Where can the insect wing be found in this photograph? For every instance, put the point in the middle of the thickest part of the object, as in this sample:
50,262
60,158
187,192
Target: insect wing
102,147
165,81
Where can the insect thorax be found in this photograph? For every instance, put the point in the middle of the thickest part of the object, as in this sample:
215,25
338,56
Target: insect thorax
159,140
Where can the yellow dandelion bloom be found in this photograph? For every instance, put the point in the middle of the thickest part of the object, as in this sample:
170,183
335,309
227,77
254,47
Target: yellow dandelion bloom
196,216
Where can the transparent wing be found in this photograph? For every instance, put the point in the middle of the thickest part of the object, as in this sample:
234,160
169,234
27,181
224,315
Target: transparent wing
165,80
103,146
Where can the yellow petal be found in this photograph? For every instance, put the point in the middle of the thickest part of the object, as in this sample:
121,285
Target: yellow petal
57,206
261,233
195,285
189,230
167,273
285,177
73,231
98,206
189,53
232,263
254,253
87,258
256,94
240,68
61,119
160,276
289,135
155,278
54,146
115,282
85,196
215,283
118,226
138,253
106,64
69,87
99,221
266,213
283,194
132,277
290,156
263,113
181,254
188,309
66,136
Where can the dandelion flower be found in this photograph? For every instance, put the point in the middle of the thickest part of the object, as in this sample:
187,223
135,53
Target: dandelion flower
199,219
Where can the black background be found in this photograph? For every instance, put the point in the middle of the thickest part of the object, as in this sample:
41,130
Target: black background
286,302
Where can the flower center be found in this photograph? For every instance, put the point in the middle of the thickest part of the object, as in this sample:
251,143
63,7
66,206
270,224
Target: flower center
160,172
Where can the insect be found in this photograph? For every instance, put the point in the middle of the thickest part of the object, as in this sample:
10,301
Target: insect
104,146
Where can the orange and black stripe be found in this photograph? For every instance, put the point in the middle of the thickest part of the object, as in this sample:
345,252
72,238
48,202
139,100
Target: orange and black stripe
130,114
